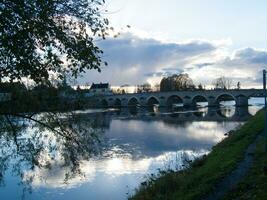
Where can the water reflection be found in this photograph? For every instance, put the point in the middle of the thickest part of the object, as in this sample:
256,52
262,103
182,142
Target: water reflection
80,155
224,113
201,112
117,166
229,111
47,141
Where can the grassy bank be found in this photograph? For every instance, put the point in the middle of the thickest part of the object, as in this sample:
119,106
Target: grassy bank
254,185
198,180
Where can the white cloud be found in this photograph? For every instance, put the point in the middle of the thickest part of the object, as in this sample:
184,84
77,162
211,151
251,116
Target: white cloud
243,65
135,58
131,58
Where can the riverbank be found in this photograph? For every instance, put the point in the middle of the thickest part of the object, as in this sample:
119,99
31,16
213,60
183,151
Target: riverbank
199,179
254,185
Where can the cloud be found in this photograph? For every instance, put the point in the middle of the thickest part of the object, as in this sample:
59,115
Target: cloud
251,55
134,59
200,65
244,65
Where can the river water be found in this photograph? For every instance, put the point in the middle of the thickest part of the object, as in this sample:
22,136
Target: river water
131,143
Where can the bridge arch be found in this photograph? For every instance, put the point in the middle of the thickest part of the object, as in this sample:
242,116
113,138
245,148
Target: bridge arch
117,103
225,99
199,100
152,101
174,100
133,102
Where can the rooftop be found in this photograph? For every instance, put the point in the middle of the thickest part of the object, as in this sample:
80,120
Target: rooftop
99,86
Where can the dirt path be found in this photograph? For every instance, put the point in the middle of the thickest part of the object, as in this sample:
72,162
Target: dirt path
230,181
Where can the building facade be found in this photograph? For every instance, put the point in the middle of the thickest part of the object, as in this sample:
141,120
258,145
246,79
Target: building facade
99,89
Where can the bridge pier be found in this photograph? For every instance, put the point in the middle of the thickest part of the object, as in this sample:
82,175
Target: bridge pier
110,102
143,101
212,101
241,101
162,102
187,101
241,111
124,102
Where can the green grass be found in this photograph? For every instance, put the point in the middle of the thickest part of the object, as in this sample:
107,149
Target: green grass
254,185
198,180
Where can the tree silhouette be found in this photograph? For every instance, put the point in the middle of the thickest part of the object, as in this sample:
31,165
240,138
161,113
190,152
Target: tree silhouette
222,83
39,38
176,82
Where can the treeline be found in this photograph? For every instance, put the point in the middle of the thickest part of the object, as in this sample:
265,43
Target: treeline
178,82
42,97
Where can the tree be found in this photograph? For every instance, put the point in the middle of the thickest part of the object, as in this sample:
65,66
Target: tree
222,83
238,85
146,87
39,38
156,87
200,87
176,82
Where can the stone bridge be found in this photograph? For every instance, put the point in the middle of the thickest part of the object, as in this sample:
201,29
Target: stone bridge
181,98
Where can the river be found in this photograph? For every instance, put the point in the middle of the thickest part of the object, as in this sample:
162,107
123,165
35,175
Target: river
128,145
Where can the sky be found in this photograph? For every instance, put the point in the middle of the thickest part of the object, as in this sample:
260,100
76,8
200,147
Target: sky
204,38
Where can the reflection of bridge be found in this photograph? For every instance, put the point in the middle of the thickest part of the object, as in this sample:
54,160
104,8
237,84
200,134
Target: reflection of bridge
238,114
103,119
186,98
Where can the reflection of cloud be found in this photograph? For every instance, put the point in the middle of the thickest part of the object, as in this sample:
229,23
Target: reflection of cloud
118,166
258,102
206,131
55,177
151,138
136,147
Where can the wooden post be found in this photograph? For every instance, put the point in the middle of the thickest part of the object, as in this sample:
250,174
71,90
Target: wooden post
265,107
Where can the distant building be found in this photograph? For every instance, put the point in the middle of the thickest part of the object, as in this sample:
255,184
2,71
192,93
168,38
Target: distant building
99,89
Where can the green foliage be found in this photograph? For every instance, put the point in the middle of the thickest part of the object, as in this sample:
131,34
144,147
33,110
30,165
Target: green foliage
40,37
254,185
198,180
